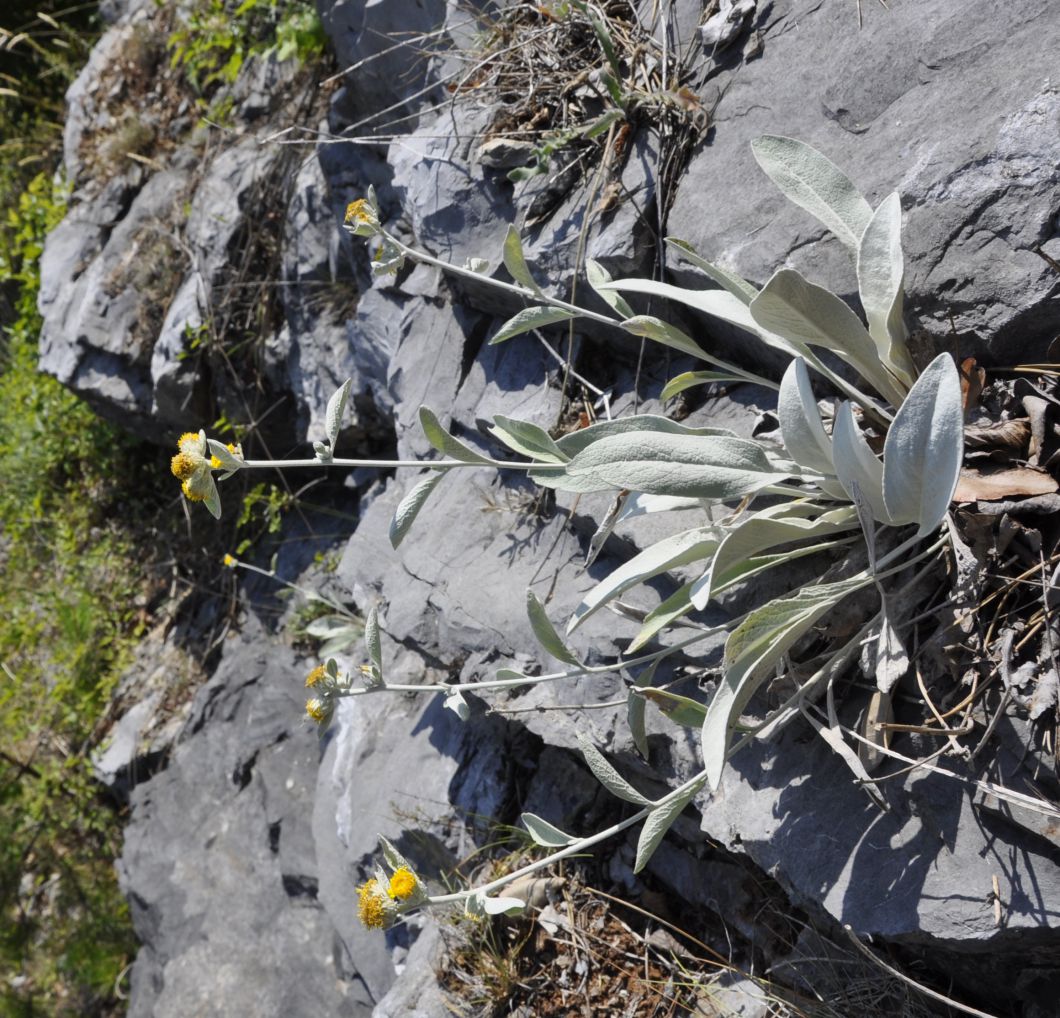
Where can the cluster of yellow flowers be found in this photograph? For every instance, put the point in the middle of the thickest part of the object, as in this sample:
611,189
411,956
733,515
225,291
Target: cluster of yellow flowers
378,906
194,465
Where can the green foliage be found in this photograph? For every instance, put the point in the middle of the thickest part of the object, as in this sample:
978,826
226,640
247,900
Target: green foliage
218,37
68,595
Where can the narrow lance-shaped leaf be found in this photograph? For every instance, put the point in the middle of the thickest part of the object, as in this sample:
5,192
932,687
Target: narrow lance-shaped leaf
688,379
373,643
685,465
856,463
446,443
793,307
815,183
409,507
530,318
924,448
657,823
528,439
892,659
663,332
751,653
617,785
677,550
515,261
545,632
736,285
801,429
881,268
544,834
336,408
635,709
681,710
598,278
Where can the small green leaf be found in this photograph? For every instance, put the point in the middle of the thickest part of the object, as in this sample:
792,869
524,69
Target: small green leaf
736,285
515,261
336,408
856,464
598,278
446,443
372,641
544,834
801,429
635,709
530,318
657,823
544,631
608,776
681,710
528,439
410,506
688,379
663,332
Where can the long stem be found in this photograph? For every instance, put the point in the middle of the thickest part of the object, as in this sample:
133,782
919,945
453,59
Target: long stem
394,464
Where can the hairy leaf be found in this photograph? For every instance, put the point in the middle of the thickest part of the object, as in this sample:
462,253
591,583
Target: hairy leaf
657,823
336,408
446,443
924,448
677,550
881,268
662,464
801,429
598,278
815,183
545,632
528,439
544,834
856,463
530,318
409,507
735,284
515,261
608,776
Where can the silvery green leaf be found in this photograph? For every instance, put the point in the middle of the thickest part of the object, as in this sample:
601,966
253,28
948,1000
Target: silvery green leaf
801,429
681,710
856,463
816,184
220,450
793,307
661,464
688,379
664,333
530,318
576,441
657,823
635,709
409,507
372,642
868,524
607,775
528,439
336,408
776,525
444,442
642,505
323,452
502,905
892,660
544,834
676,550
455,702
394,859
545,632
735,284
511,673
717,303
677,605
598,278
751,652
881,268
515,261
605,528
326,626
211,499
924,448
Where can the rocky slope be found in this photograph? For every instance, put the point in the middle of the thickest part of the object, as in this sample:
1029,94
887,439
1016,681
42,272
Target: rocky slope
243,853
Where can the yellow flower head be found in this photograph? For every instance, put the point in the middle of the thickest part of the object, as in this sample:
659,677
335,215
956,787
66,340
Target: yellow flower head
192,492
358,212
229,561
316,709
403,884
192,467
216,464
315,676
182,465
375,910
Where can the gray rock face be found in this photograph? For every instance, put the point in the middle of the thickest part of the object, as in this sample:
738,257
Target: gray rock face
243,856
955,107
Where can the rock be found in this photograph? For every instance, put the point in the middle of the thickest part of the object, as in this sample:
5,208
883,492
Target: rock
924,101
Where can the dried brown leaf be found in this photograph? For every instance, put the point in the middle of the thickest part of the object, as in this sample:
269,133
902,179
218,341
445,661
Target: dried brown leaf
1010,436
989,486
